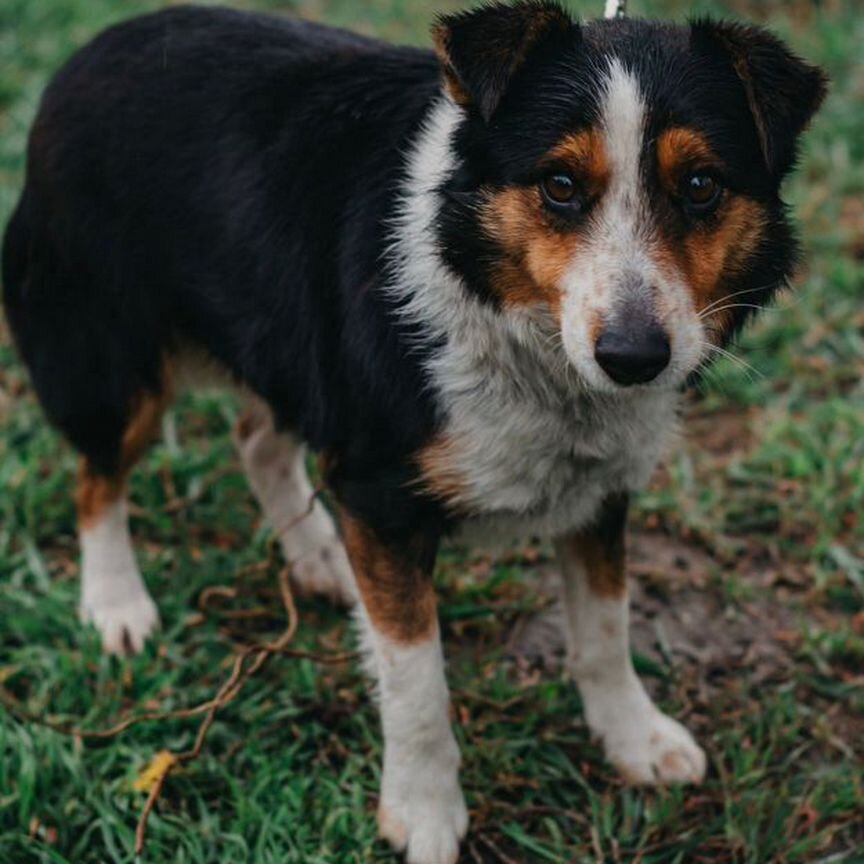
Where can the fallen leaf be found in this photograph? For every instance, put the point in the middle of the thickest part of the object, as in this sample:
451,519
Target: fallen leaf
159,766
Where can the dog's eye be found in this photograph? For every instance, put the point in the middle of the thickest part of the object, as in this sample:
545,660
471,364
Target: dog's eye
560,190
701,192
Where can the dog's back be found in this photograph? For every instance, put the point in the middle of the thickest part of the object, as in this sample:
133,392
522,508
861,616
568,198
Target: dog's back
187,175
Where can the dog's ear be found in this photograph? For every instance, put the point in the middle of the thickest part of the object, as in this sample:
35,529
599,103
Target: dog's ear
481,49
783,91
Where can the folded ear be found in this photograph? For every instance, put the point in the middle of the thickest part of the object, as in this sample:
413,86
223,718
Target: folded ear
783,91
481,49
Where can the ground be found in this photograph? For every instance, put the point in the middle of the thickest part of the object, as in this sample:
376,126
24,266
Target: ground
748,565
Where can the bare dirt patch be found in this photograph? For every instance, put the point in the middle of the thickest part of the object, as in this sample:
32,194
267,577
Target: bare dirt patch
681,618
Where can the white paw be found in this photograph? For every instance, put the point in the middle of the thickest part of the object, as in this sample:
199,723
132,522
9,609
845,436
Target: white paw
654,750
427,827
124,625
325,571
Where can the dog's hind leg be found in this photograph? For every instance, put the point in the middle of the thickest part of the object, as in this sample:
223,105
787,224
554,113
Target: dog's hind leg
113,595
275,463
93,344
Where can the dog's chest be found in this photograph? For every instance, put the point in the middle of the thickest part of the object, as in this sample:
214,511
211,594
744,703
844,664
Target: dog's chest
534,453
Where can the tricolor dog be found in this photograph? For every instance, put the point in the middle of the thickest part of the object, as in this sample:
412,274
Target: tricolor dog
475,280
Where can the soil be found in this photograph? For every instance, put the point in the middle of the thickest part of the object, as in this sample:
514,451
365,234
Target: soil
679,618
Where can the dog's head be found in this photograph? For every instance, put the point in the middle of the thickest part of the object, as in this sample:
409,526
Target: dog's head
623,176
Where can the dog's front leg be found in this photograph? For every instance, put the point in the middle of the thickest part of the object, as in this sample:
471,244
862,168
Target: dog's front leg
644,744
421,809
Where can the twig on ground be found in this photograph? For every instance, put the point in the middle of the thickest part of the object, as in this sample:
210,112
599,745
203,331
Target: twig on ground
152,798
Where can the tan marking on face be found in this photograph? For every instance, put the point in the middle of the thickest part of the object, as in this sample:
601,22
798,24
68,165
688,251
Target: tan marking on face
398,596
440,473
680,150
536,254
713,251
584,153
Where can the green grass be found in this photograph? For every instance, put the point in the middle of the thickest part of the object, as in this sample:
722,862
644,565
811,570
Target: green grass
763,506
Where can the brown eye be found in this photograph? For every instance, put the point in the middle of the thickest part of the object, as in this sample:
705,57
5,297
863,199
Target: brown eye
701,192
559,190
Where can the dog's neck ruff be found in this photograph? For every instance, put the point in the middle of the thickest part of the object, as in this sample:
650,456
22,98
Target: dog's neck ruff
536,448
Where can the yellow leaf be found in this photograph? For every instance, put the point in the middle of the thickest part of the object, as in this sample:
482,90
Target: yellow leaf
159,766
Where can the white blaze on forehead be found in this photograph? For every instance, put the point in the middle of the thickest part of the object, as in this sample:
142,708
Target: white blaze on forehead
622,115
624,248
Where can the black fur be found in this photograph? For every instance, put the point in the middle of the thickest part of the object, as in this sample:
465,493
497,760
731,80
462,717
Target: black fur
223,179
482,49
783,91
610,526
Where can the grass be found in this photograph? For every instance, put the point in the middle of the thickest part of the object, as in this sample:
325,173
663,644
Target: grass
749,555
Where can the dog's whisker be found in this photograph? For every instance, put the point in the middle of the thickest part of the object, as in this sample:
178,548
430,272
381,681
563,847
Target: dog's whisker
704,314
734,358
727,297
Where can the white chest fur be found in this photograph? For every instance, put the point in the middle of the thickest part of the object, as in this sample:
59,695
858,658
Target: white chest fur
538,454
544,470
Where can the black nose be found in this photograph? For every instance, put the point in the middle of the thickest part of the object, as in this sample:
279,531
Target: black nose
633,356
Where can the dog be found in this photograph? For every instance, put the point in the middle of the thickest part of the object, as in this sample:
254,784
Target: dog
475,280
